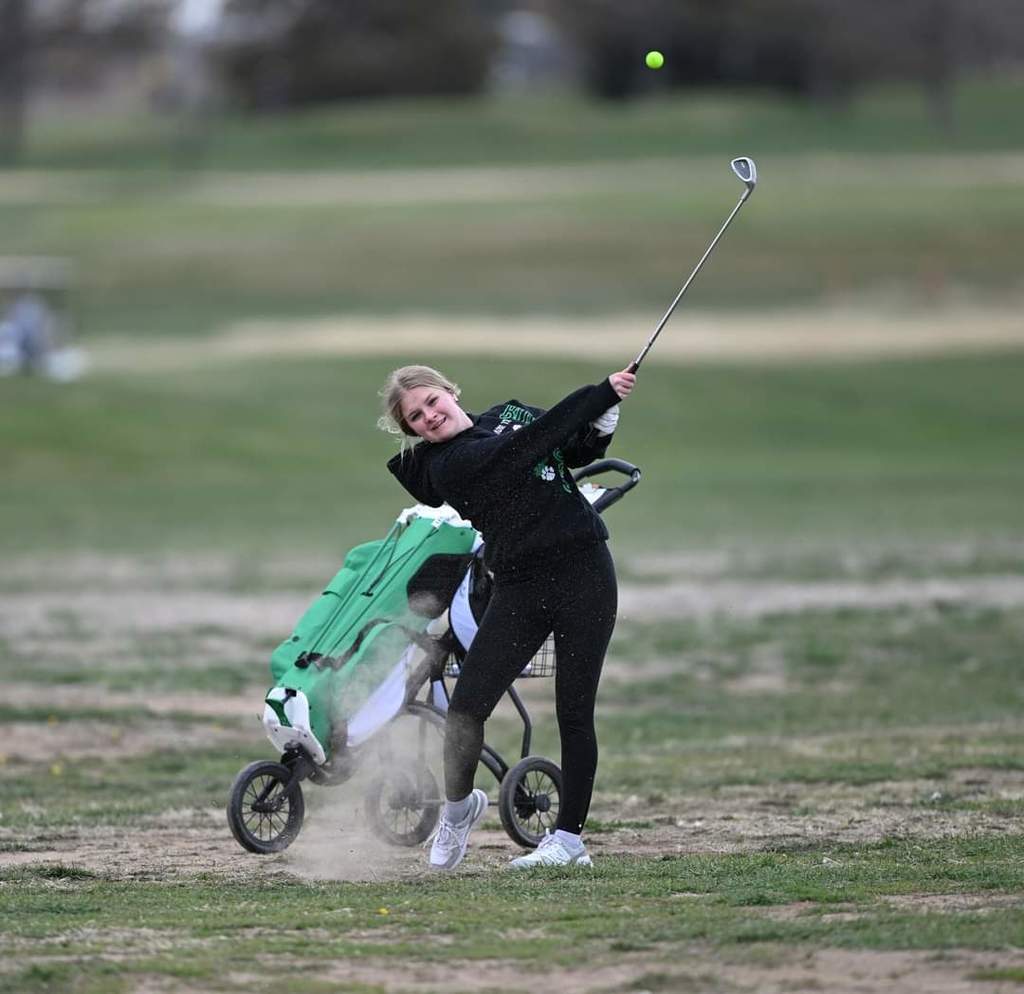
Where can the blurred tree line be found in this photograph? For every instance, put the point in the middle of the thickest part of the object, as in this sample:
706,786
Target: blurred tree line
819,49
65,44
307,51
275,54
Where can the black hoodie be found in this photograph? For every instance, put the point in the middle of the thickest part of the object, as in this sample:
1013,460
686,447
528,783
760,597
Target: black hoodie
508,474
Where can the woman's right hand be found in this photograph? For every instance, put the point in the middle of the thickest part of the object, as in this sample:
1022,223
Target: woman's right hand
623,383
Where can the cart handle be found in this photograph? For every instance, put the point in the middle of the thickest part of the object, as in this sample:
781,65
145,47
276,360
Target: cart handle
613,494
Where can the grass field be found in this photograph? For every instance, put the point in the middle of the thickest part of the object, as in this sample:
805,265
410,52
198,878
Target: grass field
575,210
810,723
812,772
267,457
530,130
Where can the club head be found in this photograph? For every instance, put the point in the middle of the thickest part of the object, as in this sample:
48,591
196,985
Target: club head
746,170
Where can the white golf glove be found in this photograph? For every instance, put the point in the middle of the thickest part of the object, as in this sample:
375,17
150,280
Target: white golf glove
605,424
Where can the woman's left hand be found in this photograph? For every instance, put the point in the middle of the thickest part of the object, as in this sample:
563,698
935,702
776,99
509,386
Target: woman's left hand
623,383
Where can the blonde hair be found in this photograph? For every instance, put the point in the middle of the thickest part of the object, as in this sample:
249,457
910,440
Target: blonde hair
398,382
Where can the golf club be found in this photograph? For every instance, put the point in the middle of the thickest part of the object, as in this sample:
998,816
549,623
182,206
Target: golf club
745,169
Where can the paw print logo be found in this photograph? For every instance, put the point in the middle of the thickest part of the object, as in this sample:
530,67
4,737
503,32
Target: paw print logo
547,473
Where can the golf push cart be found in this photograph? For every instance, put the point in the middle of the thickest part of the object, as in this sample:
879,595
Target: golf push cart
361,686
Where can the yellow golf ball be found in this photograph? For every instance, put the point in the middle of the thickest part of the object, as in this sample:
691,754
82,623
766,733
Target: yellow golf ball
655,60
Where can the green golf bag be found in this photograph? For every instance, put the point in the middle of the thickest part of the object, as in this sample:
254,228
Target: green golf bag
342,672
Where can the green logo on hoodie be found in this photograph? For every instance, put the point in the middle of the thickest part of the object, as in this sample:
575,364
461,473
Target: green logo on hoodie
513,412
543,470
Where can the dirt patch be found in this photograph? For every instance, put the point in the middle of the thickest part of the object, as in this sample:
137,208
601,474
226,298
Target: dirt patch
189,843
955,903
779,816
144,701
38,618
949,972
508,976
765,969
75,572
90,615
835,333
503,183
863,562
914,903
768,970
336,842
336,845
35,742
757,598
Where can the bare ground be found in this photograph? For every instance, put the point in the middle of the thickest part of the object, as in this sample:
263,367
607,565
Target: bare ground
812,334
34,618
765,969
335,845
487,184
774,971
85,623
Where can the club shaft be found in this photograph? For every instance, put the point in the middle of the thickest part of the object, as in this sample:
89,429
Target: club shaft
635,364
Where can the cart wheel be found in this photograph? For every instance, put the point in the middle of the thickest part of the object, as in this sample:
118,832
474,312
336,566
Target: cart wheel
529,799
404,804
263,818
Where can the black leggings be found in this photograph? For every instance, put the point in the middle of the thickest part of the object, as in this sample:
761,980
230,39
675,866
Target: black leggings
576,599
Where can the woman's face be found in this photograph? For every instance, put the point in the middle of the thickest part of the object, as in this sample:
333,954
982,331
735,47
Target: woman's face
433,413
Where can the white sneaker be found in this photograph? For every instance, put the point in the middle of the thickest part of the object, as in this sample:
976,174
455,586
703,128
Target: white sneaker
452,838
552,851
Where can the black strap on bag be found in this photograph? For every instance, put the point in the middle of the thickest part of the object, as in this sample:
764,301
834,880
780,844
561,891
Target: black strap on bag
322,662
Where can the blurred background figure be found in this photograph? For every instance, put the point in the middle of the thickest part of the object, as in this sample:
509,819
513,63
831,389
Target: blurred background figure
36,333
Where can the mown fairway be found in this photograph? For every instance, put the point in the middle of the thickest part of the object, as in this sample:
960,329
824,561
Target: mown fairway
264,457
812,770
546,207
